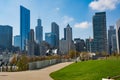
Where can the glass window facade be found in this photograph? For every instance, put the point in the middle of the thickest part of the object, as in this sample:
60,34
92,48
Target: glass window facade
24,26
6,33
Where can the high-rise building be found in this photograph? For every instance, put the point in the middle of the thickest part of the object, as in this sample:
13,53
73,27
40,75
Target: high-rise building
31,43
111,32
118,35
68,36
6,33
55,30
17,41
39,32
63,47
90,45
24,26
68,33
100,32
66,44
114,44
50,38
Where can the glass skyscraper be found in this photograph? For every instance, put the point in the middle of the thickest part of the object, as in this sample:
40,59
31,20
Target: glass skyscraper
39,32
99,32
50,38
55,30
111,34
6,33
17,41
24,26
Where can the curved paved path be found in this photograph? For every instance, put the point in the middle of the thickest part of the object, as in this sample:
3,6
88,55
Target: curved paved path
41,74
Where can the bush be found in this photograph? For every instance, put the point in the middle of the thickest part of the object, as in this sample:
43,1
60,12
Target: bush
22,63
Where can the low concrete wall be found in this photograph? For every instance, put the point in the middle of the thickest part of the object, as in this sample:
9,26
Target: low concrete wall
42,64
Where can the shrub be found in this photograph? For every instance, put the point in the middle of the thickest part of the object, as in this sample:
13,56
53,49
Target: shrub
22,63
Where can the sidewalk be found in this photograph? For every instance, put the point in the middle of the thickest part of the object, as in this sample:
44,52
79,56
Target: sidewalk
41,74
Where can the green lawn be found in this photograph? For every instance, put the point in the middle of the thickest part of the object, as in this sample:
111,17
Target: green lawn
89,70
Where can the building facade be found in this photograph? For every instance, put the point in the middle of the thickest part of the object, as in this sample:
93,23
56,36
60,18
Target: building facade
100,32
31,43
17,41
118,35
24,26
39,32
114,44
90,45
50,38
6,33
68,36
55,30
63,47
111,37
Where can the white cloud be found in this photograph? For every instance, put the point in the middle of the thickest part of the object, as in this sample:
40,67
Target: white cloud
67,20
102,5
82,25
57,9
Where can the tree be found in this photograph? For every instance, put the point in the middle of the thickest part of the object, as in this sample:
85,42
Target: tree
22,63
85,56
73,54
13,60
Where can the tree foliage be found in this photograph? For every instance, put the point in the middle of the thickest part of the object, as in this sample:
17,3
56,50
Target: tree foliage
22,63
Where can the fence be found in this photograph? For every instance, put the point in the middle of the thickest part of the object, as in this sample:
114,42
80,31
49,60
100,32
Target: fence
8,68
45,63
42,64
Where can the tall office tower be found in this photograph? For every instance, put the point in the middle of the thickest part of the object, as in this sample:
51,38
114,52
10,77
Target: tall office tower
31,43
111,32
55,30
24,26
6,33
68,33
68,36
99,32
118,35
50,38
114,43
17,41
63,47
90,45
39,32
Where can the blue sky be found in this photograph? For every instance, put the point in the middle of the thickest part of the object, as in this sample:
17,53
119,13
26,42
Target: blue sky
78,13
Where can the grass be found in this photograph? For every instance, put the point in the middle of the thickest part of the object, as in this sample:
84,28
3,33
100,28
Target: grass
89,70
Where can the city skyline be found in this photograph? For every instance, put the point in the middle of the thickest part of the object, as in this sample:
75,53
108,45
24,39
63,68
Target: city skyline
77,13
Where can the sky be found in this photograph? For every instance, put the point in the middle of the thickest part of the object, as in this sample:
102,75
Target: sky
77,13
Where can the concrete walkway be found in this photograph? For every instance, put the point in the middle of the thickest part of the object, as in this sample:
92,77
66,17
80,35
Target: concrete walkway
41,74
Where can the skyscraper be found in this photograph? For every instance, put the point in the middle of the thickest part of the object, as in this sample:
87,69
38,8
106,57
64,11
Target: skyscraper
114,44
31,43
24,26
68,37
6,33
17,41
68,33
50,38
39,32
118,35
99,32
55,30
111,32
